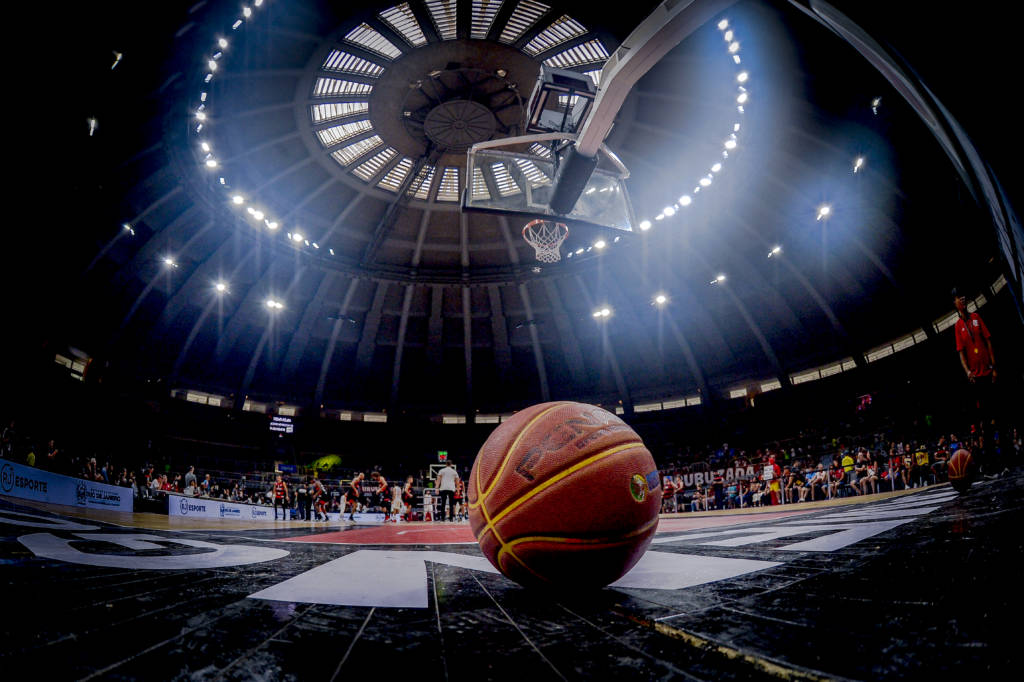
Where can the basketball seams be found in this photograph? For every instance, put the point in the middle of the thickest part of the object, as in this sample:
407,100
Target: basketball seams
561,475
482,494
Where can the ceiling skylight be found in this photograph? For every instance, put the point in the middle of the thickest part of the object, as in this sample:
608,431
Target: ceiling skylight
420,187
343,62
322,113
393,180
335,86
339,133
443,12
564,29
365,36
448,190
402,19
506,185
535,175
589,52
484,12
348,154
480,190
525,15
372,166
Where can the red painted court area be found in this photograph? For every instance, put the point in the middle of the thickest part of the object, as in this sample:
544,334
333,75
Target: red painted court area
427,534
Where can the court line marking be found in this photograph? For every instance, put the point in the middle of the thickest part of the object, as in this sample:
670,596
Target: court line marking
251,651
516,626
352,645
437,611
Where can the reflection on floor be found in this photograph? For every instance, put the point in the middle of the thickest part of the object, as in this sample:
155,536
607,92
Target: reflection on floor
897,585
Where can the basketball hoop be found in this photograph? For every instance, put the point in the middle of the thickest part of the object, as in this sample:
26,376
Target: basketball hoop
546,237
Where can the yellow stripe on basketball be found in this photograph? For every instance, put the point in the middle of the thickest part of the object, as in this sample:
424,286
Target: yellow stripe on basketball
525,497
508,453
507,547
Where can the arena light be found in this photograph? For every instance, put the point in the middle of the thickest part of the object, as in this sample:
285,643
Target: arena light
212,64
723,24
875,103
211,163
274,305
645,225
128,228
734,47
728,36
578,251
600,244
742,99
685,200
742,76
730,144
660,299
735,127
297,237
718,280
602,313
824,211
776,250
858,163
222,43
331,251
205,146
669,211
169,262
704,182
717,167
221,287
271,224
238,200
246,12
200,115
736,59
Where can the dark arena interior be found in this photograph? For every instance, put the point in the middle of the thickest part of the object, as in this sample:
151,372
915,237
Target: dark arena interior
303,239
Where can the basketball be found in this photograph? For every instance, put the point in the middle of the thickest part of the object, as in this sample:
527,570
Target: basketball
961,470
564,494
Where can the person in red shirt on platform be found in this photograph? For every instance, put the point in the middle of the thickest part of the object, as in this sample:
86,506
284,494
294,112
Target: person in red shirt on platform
974,345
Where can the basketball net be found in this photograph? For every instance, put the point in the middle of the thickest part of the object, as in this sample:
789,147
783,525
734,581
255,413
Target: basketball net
546,237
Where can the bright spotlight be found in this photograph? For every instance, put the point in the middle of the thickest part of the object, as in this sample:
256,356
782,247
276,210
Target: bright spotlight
661,299
129,229
211,163
246,12
734,47
858,163
578,251
200,115
600,244
223,43
258,215
824,211
704,182
685,200
669,211
717,167
742,76
221,287
735,127
742,99
645,225
271,224
730,144
723,24
718,280
728,36
205,146
237,200
297,237
274,305
169,262
776,250
212,64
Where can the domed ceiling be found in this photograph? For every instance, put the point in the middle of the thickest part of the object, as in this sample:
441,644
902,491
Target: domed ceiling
284,224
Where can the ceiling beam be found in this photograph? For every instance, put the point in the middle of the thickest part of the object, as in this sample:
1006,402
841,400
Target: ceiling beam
332,343
368,336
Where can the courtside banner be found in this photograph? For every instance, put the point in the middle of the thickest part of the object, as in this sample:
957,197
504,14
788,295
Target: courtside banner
29,483
206,508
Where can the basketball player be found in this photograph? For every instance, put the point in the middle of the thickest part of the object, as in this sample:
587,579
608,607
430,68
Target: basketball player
354,494
460,489
383,494
319,500
407,499
281,498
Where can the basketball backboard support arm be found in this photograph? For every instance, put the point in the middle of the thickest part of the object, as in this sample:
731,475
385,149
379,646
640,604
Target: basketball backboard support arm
662,30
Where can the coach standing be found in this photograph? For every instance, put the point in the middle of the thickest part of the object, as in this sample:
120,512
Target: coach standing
445,483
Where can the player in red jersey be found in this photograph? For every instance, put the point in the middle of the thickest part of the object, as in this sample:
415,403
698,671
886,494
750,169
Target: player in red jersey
460,489
383,494
354,494
281,498
407,499
319,500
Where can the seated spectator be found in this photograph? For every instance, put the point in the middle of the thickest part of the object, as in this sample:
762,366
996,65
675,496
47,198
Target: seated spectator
731,495
837,479
190,489
816,483
698,501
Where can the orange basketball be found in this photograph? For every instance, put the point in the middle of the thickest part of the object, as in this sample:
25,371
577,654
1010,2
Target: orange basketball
564,494
960,470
